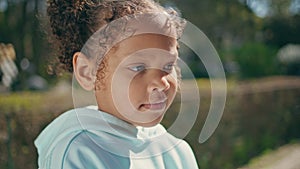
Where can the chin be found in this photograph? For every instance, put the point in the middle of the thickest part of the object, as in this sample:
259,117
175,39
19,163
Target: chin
150,124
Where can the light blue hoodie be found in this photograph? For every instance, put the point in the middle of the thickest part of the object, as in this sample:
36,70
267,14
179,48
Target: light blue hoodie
86,138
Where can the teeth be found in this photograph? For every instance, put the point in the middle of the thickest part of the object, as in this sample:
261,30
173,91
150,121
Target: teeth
158,102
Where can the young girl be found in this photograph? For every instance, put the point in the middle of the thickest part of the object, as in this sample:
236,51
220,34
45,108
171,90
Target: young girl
125,52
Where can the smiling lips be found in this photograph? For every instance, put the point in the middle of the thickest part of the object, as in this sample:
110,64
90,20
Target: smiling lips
155,106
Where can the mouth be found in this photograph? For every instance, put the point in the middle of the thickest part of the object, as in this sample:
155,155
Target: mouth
156,106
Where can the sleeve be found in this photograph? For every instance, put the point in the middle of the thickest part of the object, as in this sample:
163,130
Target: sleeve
79,157
83,153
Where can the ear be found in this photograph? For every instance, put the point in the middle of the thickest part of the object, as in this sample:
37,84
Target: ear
83,70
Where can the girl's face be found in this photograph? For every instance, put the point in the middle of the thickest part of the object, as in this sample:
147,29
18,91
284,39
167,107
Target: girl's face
140,79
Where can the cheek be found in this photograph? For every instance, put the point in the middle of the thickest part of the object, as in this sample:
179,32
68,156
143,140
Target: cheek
123,92
137,90
173,81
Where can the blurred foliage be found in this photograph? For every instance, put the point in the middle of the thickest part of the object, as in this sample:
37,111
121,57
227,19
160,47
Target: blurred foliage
19,25
282,30
256,60
232,26
16,102
292,69
22,117
248,126
224,22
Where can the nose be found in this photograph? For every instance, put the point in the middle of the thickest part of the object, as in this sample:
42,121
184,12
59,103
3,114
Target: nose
158,80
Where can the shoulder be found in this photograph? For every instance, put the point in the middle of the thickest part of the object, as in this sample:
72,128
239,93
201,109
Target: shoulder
54,140
182,154
185,149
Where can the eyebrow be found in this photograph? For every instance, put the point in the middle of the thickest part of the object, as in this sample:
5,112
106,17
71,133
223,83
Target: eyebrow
141,57
153,54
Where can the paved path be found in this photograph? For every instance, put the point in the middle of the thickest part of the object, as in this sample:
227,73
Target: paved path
286,157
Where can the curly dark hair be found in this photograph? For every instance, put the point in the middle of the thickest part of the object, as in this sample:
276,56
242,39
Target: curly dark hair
73,22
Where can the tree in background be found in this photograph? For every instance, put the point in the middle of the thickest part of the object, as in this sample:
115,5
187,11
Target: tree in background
20,26
236,26
225,22
282,30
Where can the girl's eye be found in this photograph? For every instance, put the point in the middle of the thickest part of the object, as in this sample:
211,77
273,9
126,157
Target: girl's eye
169,67
137,68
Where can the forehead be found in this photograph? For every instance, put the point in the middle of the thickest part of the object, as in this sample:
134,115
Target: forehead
146,41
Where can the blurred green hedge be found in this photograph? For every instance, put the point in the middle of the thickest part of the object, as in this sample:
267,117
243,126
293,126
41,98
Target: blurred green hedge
259,115
256,60
22,117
